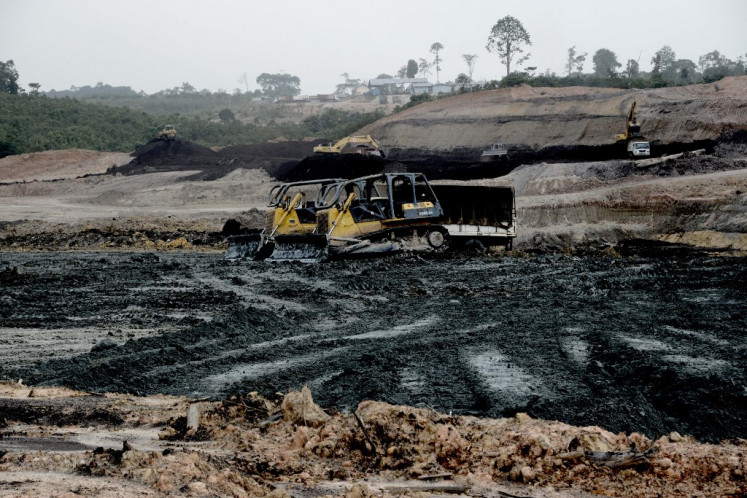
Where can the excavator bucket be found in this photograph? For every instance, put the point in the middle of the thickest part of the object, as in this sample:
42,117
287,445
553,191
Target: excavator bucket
245,246
306,248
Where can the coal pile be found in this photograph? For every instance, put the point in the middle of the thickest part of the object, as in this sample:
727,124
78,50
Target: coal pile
276,158
356,165
161,156
173,153
338,166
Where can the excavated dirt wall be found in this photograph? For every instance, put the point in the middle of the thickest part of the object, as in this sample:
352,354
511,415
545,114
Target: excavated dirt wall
549,121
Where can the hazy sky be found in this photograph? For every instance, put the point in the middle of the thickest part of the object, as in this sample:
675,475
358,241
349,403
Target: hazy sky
151,45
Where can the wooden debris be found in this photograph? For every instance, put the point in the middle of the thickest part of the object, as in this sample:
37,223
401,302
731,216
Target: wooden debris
435,476
619,460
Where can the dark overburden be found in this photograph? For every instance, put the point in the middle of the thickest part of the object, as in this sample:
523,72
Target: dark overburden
631,344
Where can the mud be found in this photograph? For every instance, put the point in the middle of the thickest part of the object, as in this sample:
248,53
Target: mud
628,343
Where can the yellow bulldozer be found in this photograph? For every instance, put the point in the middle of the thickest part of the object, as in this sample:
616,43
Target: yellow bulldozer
293,212
167,133
387,212
354,144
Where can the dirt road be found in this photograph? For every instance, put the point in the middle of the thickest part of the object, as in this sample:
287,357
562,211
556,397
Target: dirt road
630,344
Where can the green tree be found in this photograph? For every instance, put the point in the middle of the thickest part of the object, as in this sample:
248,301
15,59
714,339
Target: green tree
605,63
348,85
470,59
463,79
715,66
662,63
8,77
508,39
685,71
279,85
514,79
632,69
226,116
34,88
412,69
575,61
435,49
424,67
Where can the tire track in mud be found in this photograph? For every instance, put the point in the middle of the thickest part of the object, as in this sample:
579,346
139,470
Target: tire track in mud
631,344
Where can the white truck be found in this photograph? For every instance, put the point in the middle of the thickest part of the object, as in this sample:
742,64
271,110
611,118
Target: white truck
638,148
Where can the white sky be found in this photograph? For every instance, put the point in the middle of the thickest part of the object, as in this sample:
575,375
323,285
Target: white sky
154,45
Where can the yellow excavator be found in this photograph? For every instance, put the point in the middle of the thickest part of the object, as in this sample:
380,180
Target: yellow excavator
635,144
357,144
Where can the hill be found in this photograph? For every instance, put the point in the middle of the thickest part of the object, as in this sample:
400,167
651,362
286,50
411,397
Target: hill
563,123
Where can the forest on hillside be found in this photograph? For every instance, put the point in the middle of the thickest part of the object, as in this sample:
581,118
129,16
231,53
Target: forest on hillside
34,123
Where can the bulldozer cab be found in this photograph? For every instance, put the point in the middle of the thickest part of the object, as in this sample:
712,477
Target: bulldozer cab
305,193
384,197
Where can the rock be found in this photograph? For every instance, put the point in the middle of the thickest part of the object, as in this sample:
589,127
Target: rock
300,437
527,474
449,446
359,491
104,344
299,408
664,463
197,487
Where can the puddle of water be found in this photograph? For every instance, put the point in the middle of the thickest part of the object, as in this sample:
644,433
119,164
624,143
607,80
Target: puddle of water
501,375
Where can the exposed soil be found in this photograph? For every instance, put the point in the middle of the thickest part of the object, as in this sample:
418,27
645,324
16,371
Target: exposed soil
539,119
621,308
248,445
286,445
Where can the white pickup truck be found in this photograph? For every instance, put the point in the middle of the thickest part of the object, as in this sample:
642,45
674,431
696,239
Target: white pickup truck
639,149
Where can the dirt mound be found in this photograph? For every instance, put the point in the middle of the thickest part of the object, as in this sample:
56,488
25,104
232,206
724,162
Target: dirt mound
286,445
171,153
58,164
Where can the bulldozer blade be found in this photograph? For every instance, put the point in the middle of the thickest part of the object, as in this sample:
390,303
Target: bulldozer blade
307,248
245,246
